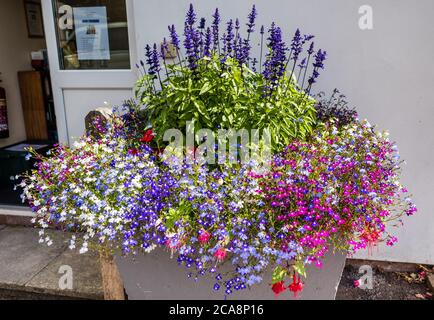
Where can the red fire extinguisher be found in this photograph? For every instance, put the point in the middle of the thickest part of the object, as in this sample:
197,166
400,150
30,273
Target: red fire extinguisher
4,128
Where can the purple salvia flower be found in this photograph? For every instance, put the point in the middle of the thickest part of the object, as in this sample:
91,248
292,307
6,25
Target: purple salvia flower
155,59
250,29
224,40
312,79
174,37
229,38
320,57
262,47
202,23
311,48
251,20
254,63
296,45
197,42
208,43
302,64
242,50
308,37
164,48
238,49
149,61
215,28
274,66
164,51
190,46
246,51
191,16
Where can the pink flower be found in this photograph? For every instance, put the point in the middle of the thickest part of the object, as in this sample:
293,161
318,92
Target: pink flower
357,283
220,254
204,237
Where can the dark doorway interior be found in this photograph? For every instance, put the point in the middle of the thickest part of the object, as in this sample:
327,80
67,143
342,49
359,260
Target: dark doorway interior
40,124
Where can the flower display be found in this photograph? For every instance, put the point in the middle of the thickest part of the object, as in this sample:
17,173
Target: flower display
331,183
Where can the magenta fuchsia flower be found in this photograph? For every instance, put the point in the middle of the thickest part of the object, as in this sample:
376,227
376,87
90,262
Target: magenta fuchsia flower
220,254
204,237
296,286
278,288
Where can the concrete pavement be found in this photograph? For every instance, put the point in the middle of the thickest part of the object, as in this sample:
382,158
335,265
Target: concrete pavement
29,270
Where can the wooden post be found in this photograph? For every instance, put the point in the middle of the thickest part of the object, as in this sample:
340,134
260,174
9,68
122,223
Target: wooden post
112,283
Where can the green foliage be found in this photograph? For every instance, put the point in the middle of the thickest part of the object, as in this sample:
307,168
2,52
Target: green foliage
182,213
225,95
279,274
300,268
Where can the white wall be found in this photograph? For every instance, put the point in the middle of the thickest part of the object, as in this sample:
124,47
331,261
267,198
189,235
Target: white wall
81,101
15,48
387,73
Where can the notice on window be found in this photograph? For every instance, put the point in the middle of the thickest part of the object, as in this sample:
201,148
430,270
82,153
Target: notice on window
91,31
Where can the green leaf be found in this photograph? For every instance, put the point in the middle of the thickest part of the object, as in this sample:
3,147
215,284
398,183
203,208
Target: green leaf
300,268
206,87
279,274
172,217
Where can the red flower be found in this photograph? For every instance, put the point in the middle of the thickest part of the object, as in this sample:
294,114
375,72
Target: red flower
133,152
296,286
204,237
220,254
148,136
278,288
158,151
357,283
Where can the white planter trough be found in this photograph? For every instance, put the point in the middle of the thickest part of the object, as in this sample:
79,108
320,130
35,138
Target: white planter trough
157,277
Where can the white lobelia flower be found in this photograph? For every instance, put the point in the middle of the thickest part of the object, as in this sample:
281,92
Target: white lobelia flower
83,250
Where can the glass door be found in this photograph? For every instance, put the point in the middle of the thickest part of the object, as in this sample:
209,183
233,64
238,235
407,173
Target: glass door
91,48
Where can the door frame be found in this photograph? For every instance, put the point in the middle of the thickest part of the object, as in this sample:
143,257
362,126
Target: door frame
83,79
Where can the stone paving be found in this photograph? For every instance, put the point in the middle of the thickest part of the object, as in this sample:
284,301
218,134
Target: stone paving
30,270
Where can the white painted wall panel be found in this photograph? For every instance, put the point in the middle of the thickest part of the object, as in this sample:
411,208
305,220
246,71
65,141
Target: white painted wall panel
79,102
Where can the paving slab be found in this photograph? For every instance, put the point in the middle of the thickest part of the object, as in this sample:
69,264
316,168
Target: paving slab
82,270
22,257
30,270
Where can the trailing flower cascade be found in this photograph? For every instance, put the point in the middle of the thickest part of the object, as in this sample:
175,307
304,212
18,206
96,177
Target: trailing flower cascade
332,182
